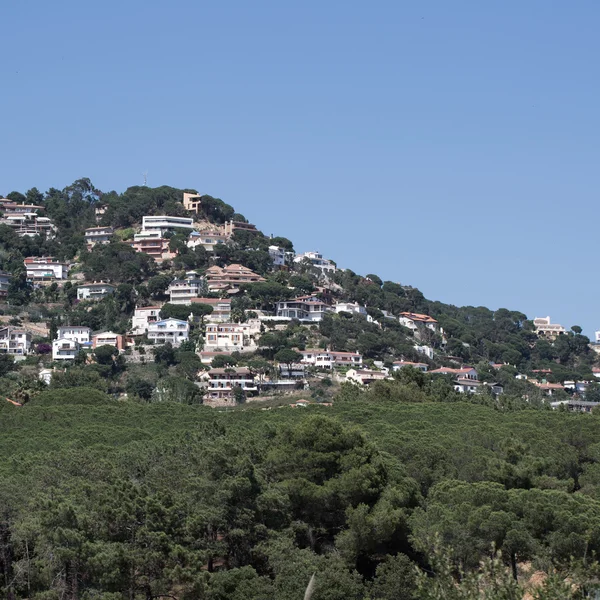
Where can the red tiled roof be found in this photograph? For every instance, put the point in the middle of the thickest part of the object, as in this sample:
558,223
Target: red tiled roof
418,317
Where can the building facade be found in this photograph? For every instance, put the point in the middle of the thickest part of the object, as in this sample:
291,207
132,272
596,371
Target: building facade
98,235
14,340
316,259
183,291
169,330
45,269
303,308
95,291
222,382
327,359
221,309
143,317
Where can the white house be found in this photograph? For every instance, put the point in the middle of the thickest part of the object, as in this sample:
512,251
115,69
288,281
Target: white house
164,223
353,308
424,350
399,364
467,386
95,291
304,308
277,255
182,291
98,235
169,330
78,333
65,349
365,376
316,259
14,340
143,317
416,322
221,382
230,337
208,239
41,269
463,373
327,359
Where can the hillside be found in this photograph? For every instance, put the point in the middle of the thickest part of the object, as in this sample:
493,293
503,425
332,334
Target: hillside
191,409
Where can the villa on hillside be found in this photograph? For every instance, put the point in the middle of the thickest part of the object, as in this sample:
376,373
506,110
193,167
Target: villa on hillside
417,323
316,260
230,277
544,328
143,317
399,364
221,309
207,238
45,269
15,340
222,382
168,330
95,290
303,308
183,291
98,235
327,359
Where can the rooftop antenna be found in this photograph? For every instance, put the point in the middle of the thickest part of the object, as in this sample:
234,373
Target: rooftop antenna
145,174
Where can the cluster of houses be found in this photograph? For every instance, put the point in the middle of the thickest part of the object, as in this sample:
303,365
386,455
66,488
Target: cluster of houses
223,336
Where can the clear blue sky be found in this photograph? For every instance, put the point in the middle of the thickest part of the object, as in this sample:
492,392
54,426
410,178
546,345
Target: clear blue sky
453,146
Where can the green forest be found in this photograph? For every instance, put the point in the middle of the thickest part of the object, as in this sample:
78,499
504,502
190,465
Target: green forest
378,496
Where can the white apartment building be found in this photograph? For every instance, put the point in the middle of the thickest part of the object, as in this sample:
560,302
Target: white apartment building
164,223
327,359
277,255
77,333
98,235
316,260
169,330
95,291
229,337
143,317
41,269
221,382
182,291
14,340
